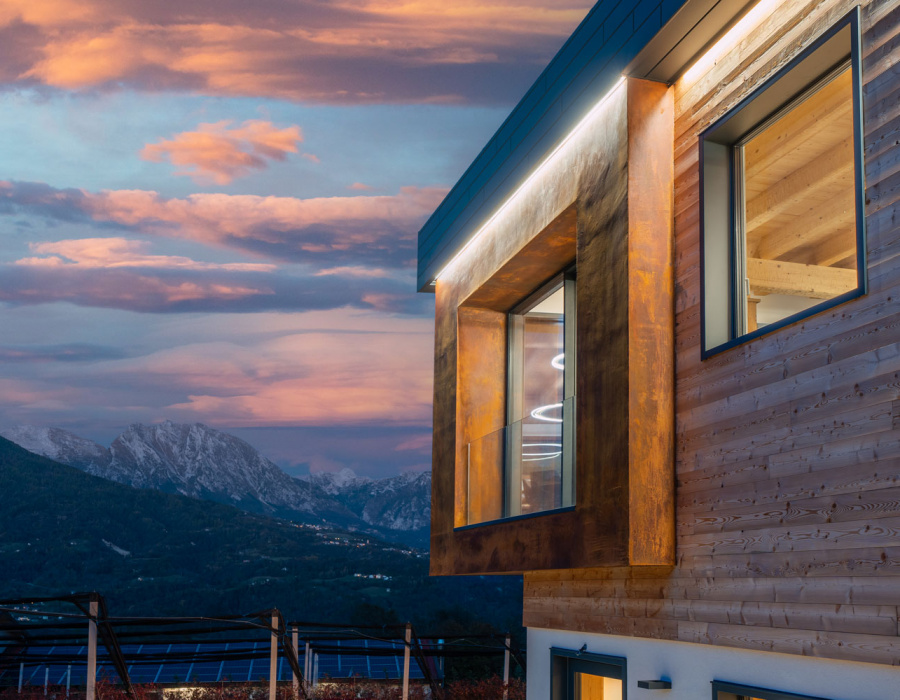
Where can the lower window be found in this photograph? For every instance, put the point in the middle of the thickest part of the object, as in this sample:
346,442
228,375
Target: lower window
581,675
732,691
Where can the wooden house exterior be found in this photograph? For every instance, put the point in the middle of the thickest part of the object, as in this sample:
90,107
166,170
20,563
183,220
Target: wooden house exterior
709,503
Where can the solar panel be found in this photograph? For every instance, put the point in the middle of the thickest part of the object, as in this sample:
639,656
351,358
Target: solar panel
206,662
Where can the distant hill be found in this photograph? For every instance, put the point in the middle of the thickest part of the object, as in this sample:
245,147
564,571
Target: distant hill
201,462
154,553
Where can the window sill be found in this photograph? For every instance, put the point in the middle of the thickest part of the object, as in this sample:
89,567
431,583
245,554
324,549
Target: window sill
783,323
515,518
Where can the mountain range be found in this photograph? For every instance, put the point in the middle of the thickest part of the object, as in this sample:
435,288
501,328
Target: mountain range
200,462
154,553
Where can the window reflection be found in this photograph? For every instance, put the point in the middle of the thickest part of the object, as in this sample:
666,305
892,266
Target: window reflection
538,453
539,405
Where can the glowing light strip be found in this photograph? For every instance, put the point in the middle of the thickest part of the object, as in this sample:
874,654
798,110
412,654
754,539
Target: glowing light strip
539,444
558,362
540,456
749,21
538,413
534,174
554,455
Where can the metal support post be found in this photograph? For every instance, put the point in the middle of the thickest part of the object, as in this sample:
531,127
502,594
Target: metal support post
46,678
68,678
315,669
307,667
273,660
506,669
21,676
295,638
91,691
406,661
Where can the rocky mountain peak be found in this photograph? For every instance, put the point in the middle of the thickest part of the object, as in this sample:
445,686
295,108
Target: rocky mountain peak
202,462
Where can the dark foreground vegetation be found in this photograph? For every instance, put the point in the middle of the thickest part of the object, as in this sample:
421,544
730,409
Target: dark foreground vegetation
489,689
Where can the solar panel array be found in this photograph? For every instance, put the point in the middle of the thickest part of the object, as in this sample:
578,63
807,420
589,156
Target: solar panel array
209,663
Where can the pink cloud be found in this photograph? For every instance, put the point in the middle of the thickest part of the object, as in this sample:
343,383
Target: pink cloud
422,442
220,153
354,271
345,51
121,289
373,231
360,187
314,379
113,253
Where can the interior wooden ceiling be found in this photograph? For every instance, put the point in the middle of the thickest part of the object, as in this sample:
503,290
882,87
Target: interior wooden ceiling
799,198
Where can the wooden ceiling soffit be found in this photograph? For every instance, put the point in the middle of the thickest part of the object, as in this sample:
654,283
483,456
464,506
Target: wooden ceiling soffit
545,255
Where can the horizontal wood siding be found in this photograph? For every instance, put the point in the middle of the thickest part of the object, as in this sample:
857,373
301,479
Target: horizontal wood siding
787,447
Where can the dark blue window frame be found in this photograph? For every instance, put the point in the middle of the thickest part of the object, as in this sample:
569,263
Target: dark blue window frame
746,116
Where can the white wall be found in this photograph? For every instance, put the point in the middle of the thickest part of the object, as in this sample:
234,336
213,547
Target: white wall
691,667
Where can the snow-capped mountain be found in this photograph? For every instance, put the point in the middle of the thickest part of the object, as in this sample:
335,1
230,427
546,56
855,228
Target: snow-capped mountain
335,483
198,461
397,503
60,446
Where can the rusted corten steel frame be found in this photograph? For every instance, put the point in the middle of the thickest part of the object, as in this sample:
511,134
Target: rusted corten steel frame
607,207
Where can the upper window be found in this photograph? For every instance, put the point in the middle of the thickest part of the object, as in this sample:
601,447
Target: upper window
533,455
782,197
732,691
540,401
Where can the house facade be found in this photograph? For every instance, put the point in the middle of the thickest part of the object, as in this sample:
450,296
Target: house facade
667,354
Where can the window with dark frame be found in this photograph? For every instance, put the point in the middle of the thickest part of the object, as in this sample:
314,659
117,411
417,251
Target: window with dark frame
722,690
582,675
533,456
538,473
782,196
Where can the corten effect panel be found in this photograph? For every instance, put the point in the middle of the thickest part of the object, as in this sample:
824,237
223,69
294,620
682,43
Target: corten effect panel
618,229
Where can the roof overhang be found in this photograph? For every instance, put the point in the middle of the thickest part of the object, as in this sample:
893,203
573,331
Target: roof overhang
615,39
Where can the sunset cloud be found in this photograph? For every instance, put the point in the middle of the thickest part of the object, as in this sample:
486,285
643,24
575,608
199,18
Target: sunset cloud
202,291
220,153
373,370
121,289
111,253
371,231
69,352
346,51
357,378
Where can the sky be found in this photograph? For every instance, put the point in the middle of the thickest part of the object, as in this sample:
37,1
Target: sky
209,208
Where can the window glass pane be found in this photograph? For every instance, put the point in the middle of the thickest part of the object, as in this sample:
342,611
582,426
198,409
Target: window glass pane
799,228
538,407
591,687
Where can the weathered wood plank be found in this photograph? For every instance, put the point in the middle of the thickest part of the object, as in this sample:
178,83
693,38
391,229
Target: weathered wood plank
795,538
846,507
872,561
825,590
863,478
859,619
830,645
